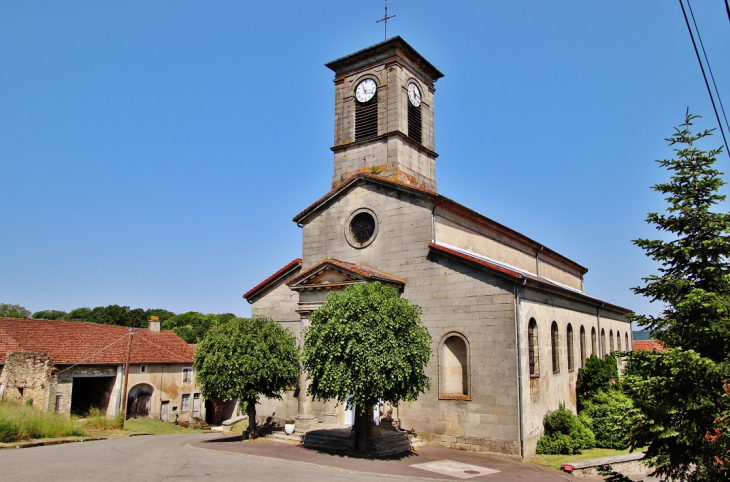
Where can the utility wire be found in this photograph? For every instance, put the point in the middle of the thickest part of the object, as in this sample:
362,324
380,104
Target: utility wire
702,67
707,61
94,354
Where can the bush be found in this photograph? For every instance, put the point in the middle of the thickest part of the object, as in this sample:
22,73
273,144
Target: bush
21,422
599,375
565,433
606,413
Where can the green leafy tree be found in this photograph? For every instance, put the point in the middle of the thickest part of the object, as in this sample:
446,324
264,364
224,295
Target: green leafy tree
193,326
79,314
159,313
13,311
599,375
681,395
49,315
243,359
365,346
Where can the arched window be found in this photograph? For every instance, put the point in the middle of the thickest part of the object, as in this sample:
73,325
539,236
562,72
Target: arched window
570,348
454,367
366,110
582,347
603,343
626,337
593,342
610,340
555,345
618,341
532,348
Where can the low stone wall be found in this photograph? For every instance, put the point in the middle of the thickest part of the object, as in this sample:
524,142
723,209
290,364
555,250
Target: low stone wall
29,378
629,464
473,444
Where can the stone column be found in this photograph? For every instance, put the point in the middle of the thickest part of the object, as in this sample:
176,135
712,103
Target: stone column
304,420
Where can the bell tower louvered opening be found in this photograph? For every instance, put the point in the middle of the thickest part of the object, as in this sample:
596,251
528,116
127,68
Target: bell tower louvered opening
366,119
414,123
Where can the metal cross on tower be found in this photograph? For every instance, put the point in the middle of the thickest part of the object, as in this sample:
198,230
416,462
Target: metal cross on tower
385,20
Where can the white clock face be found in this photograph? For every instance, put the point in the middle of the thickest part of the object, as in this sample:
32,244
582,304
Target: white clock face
365,90
414,95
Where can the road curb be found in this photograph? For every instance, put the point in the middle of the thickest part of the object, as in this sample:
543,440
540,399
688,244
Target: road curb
25,445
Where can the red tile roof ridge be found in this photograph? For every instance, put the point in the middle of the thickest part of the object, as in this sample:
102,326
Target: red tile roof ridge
271,278
362,270
649,345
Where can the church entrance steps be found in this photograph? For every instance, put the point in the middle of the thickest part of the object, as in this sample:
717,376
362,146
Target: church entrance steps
341,439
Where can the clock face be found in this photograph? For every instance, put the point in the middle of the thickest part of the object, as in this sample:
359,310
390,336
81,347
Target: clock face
365,90
414,95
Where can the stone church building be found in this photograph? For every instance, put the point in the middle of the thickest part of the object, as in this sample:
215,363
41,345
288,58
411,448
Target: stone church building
509,319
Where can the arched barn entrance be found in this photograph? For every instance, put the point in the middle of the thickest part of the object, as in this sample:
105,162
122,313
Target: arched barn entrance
139,400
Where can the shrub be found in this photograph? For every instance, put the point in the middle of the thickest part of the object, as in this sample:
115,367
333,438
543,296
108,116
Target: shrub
599,375
565,433
606,413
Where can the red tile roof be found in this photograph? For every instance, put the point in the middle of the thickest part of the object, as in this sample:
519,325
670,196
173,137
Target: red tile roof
649,345
294,264
71,342
367,272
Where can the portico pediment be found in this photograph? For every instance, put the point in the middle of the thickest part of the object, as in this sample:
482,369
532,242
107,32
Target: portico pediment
334,274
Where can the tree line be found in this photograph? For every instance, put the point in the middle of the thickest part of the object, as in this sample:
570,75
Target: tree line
191,326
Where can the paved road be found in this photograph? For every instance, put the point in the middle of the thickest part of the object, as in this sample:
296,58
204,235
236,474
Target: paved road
212,457
151,459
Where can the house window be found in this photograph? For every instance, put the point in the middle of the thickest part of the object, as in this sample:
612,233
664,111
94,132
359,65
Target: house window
593,342
143,369
582,347
454,367
555,346
603,343
59,401
532,348
187,375
185,402
570,348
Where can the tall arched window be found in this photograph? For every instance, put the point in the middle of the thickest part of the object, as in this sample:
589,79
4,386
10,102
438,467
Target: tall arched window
454,367
603,343
593,342
555,345
582,347
626,337
570,347
532,349
618,341
610,340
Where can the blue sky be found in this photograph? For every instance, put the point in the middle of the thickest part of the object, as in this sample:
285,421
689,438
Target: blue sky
153,153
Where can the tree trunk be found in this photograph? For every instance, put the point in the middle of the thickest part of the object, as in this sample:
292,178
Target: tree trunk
360,431
251,431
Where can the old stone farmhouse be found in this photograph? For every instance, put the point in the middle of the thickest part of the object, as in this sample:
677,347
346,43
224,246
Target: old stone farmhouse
510,321
71,367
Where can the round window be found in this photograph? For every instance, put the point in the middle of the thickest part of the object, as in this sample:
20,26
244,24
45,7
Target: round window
361,229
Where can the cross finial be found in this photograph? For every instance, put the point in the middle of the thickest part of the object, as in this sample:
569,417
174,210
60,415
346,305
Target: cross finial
385,20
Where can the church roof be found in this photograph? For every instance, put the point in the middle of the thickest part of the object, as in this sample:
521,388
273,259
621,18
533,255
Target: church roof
439,200
520,276
361,272
649,345
290,267
75,342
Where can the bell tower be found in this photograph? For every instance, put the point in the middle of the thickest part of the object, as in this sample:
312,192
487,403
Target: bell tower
384,118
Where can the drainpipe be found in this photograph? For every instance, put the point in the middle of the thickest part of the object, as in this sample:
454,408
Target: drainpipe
537,260
601,348
519,365
433,219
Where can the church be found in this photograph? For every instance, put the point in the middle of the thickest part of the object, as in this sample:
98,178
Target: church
509,319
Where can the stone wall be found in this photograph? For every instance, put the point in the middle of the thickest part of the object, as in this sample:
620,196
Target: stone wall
29,378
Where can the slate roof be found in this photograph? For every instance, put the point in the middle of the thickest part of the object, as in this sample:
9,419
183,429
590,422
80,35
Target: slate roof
649,345
72,342
367,272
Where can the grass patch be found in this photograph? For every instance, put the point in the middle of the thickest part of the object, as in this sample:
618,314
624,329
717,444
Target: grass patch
98,420
23,422
156,427
556,461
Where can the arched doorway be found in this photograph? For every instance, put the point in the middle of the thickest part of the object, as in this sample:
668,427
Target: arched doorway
139,401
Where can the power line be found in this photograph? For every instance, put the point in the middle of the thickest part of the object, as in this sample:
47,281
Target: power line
702,67
707,61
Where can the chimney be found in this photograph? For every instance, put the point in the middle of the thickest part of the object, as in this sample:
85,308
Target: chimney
154,325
